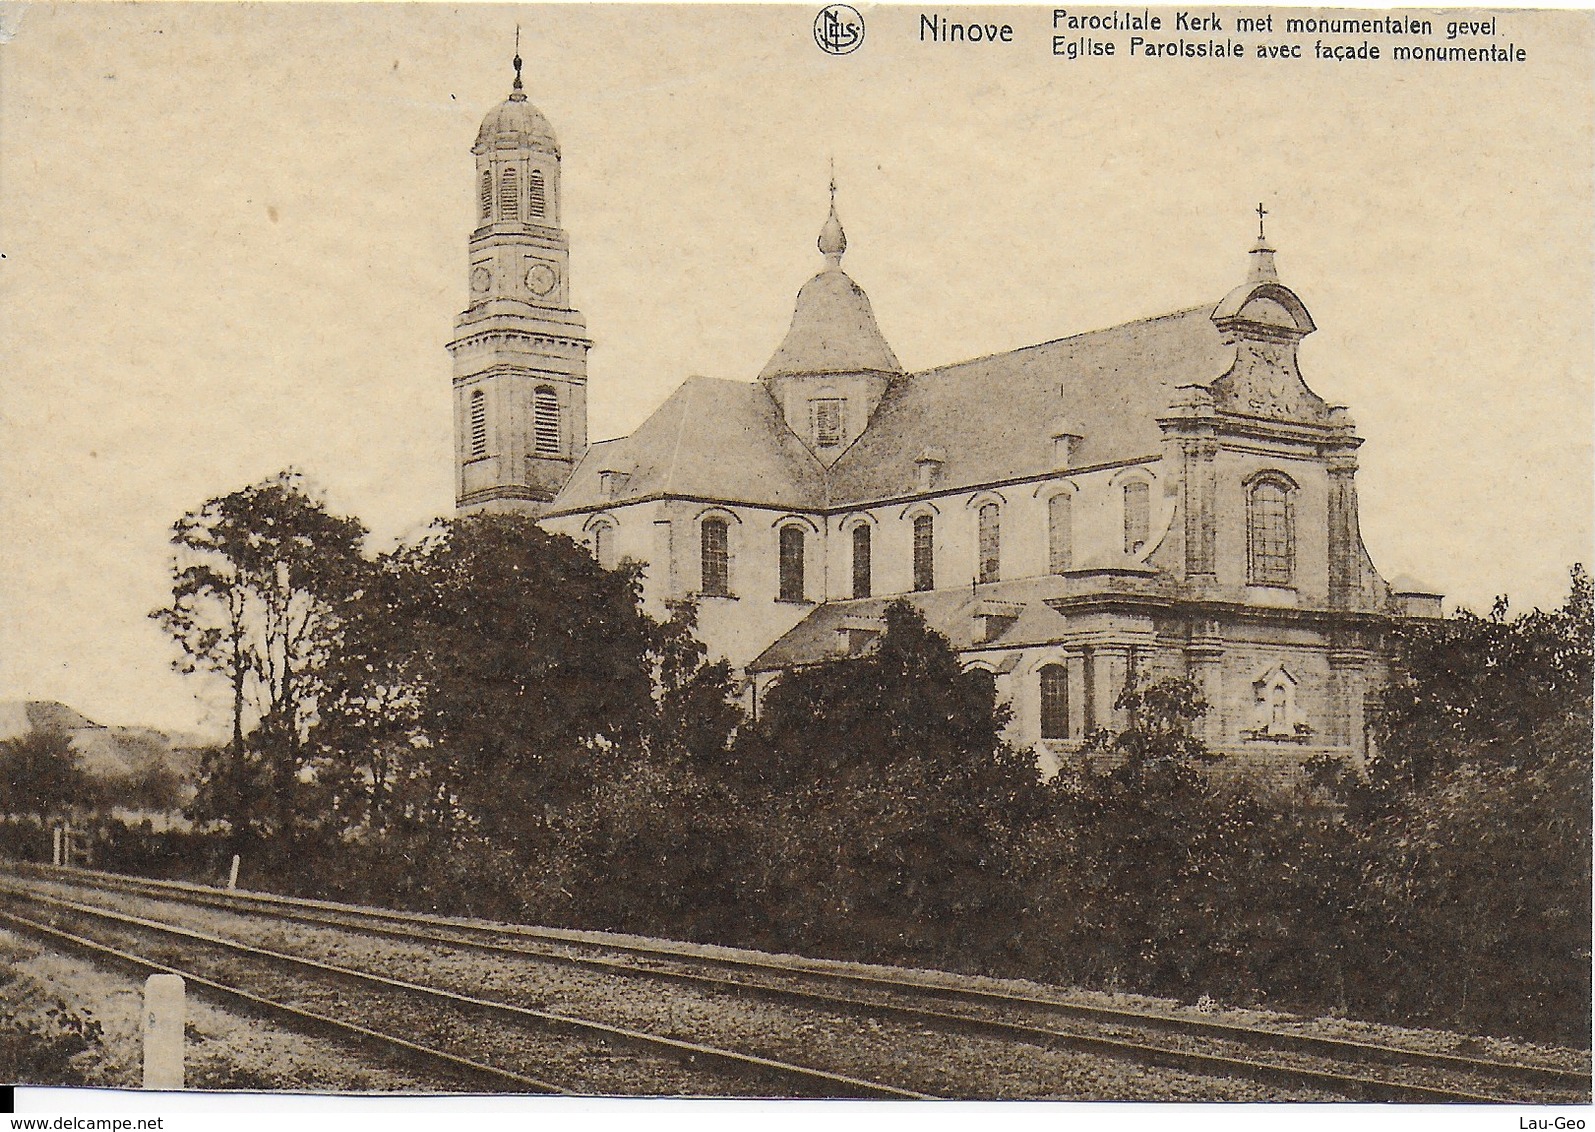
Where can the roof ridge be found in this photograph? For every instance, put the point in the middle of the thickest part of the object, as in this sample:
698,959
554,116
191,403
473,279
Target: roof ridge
1181,313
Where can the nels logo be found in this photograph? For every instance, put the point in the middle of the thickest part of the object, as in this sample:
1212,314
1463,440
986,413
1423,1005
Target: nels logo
838,29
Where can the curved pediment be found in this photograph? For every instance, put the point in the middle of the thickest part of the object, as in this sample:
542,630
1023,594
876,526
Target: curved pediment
1268,307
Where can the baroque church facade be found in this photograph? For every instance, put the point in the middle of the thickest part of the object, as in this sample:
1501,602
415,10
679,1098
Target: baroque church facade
1165,497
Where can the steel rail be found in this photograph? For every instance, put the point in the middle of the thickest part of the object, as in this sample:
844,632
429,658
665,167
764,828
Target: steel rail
271,1007
743,1063
405,926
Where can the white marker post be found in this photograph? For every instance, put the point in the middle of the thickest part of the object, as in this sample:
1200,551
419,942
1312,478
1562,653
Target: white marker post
232,874
165,1015
56,845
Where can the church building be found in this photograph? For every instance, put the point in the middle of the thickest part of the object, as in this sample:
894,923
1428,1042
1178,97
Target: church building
1165,497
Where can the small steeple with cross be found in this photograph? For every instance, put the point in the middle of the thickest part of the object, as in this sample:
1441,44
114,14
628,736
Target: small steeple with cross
1262,255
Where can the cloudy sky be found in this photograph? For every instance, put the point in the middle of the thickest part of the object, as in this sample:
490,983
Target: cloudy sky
235,241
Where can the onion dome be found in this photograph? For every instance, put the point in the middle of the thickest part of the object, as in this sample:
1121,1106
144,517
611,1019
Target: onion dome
833,326
516,124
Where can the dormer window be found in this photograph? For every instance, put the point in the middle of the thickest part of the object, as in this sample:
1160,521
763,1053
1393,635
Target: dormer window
827,415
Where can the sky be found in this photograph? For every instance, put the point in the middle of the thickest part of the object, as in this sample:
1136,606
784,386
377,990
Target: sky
235,241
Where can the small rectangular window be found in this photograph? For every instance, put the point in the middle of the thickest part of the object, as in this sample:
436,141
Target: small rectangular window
791,554
1137,515
861,561
990,543
827,422
1060,534
924,553
1054,702
716,558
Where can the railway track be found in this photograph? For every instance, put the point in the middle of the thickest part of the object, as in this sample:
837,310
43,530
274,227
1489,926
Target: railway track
1338,1067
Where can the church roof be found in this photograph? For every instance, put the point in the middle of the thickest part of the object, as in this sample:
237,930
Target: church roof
515,124
833,331
712,439
954,612
993,417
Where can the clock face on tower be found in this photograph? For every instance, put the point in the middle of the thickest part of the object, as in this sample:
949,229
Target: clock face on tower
481,279
541,279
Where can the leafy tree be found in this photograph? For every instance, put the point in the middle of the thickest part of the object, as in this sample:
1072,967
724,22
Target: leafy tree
261,580
1476,822
494,669
1473,689
888,801
42,775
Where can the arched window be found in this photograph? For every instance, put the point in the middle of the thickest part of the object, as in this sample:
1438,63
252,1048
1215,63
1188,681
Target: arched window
715,534
990,543
1137,515
861,562
545,421
538,192
791,582
478,423
1054,701
1270,534
604,545
509,194
1060,533
487,193
924,553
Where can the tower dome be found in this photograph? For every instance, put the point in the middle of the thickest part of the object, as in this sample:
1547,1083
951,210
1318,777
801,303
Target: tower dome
832,368
833,328
515,123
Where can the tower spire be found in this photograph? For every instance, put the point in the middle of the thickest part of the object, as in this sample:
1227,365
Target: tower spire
1262,254
833,241
518,89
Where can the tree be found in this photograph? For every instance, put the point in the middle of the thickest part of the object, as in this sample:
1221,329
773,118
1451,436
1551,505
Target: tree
500,665
43,776
1476,821
890,801
261,580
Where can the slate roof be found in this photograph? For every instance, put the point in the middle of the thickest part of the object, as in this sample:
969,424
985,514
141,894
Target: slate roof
711,439
833,331
992,418
951,612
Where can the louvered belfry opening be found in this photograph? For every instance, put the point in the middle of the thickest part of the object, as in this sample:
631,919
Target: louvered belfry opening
545,421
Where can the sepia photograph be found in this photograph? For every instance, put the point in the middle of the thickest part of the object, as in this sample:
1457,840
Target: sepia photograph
778,552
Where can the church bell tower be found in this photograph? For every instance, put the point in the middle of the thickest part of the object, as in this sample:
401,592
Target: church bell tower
519,350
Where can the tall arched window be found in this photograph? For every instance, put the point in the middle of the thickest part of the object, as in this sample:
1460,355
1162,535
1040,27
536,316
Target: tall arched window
509,194
715,534
1060,533
791,582
990,543
545,421
924,553
538,192
487,193
1137,515
1270,533
604,545
861,560
478,423
1054,701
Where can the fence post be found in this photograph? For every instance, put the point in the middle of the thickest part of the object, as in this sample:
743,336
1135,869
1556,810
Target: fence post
165,1016
55,844
232,873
